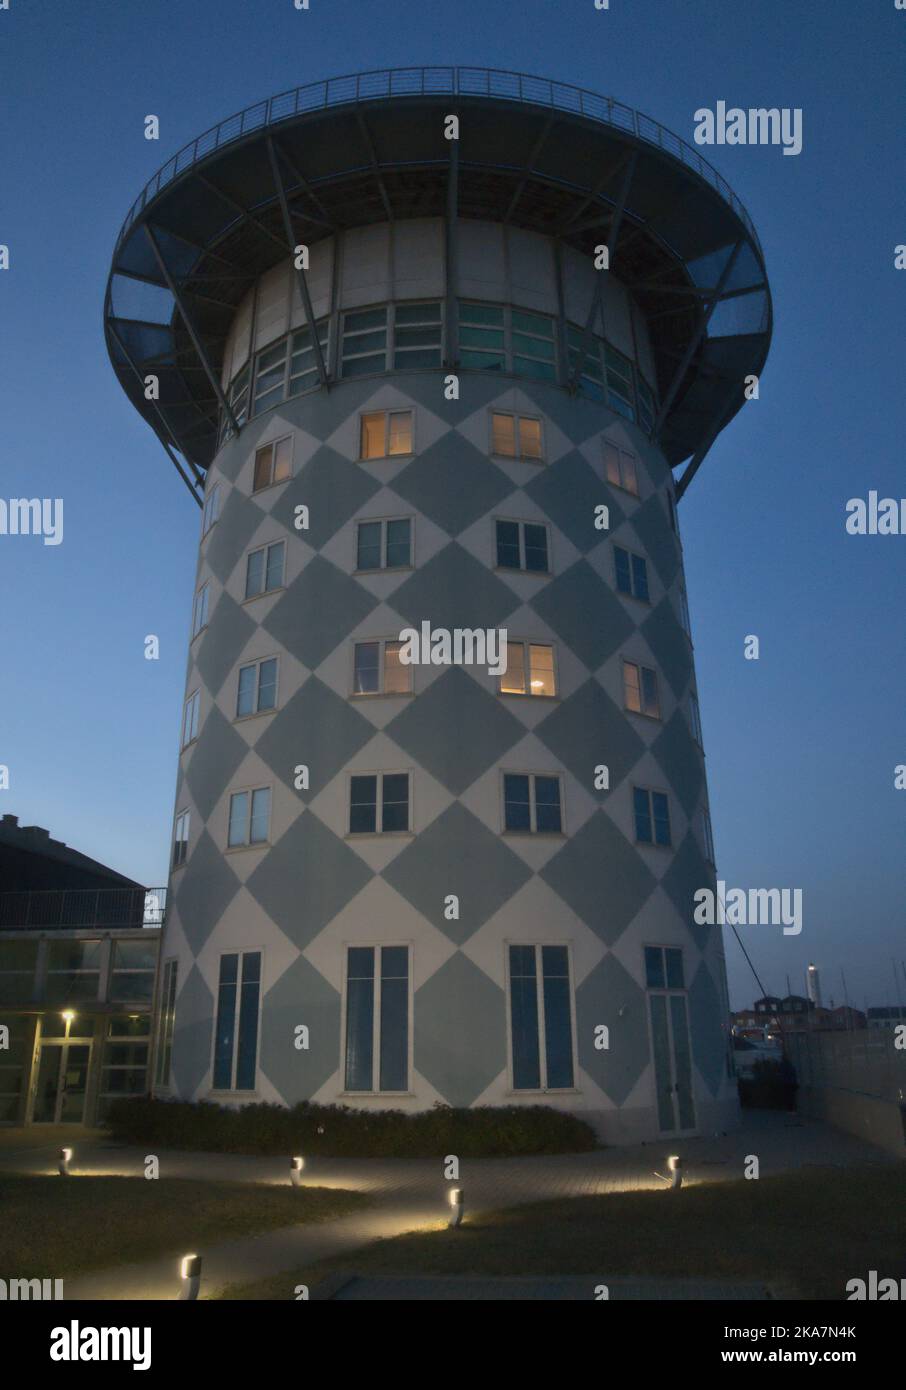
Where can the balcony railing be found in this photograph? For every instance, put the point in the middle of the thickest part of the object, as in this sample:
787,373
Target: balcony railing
75,908
426,81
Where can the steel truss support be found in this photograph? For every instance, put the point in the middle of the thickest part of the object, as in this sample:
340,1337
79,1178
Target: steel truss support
301,280
375,167
190,327
597,301
696,338
173,459
451,253
529,168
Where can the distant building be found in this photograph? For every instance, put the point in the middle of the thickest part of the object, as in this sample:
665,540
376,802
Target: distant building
886,1016
78,970
793,1013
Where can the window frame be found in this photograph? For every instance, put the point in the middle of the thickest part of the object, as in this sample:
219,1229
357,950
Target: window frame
377,980
177,860
384,523
522,569
257,550
640,670
517,417
387,412
166,1024
191,718
533,802
631,555
622,455
257,663
380,774
201,608
248,843
211,511
526,643
272,480
651,792
543,1089
381,693
233,1090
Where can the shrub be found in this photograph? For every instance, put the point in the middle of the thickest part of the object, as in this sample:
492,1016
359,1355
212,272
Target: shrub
340,1131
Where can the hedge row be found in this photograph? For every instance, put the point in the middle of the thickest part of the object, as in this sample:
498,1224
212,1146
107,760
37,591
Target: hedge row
338,1130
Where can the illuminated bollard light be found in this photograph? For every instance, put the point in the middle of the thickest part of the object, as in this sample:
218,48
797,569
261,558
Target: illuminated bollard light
63,1162
457,1202
675,1166
190,1274
295,1171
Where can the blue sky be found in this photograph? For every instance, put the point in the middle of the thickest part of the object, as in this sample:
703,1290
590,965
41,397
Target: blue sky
801,744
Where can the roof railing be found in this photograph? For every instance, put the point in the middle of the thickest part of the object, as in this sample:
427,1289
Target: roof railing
82,908
385,83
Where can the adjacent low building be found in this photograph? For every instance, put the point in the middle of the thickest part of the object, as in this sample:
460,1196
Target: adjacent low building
78,970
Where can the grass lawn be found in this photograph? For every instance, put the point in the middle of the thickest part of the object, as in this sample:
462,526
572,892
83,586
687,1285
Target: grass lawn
806,1233
53,1227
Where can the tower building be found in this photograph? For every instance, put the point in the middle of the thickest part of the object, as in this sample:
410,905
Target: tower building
427,346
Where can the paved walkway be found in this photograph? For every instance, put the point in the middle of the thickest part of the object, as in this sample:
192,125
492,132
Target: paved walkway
411,1194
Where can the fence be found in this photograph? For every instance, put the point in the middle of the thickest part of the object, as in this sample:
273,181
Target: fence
854,1080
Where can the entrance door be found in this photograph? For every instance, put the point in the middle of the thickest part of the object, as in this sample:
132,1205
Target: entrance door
672,1063
62,1083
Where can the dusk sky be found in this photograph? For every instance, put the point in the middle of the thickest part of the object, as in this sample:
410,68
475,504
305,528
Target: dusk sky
801,744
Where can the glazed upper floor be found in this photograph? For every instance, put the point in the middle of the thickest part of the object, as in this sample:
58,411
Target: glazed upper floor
524,307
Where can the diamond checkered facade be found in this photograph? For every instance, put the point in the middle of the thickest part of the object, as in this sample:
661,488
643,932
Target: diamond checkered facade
313,890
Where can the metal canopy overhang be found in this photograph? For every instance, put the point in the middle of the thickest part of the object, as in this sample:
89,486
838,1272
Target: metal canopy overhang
538,155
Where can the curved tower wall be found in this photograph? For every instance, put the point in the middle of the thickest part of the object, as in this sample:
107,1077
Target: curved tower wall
462,1000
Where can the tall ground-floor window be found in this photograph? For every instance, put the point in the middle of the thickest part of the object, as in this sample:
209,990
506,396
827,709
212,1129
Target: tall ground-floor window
377,1018
236,1039
167,1020
541,1028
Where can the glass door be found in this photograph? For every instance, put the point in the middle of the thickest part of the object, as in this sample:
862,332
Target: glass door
62,1083
672,1063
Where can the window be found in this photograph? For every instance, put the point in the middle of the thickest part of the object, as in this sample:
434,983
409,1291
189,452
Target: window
663,967
273,463
695,720
236,1038
167,1021
640,693
200,609
620,394
257,689
264,569
379,803
529,669
364,342
377,669
516,436
250,814
592,378
646,404
239,398
532,345
211,510
384,544
632,574
531,803
684,612
377,1018
620,468
134,970
18,963
385,433
541,1030
303,364
707,836
181,839
652,817
190,718
73,971
270,377
124,1069
522,545
416,336
481,340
